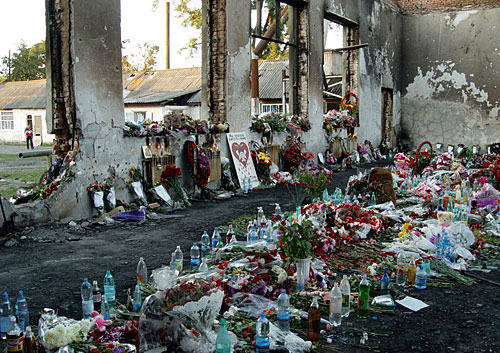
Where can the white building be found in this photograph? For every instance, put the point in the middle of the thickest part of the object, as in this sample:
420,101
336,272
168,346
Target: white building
23,103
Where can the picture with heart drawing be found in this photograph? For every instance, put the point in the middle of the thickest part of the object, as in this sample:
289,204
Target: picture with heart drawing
241,157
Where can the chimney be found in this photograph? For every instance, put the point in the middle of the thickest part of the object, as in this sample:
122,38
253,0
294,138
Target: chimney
167,48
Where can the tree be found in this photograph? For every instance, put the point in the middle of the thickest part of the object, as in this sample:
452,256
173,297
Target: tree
142,60
26,63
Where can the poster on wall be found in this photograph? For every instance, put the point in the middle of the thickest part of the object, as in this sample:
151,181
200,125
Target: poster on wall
242,159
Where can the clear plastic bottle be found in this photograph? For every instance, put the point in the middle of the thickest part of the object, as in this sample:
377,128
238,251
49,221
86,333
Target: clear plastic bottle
229,234
223,342
216,239
260,215
412,269
179,259
345,289
109,289
137,302
421,278
5,315
205,243
244,186
336,305
252,236
264,234
203,265
142,272
105,308
325,195
283,311
277,210
87,299
262,340
402,269
233,239
14,337
364,298
96,295
195,256
250,185
385,283
22,312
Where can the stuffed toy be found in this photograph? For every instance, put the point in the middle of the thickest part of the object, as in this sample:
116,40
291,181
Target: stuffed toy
99,321
445,219
320,280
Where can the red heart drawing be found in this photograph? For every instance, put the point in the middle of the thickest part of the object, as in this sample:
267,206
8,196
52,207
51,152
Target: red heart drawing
241,152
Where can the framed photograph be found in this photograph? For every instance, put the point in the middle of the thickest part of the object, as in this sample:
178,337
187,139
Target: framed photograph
476,149
451,148
146,152
439,145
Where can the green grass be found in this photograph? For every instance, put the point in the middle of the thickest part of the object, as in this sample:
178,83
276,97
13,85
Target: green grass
28,176
24,179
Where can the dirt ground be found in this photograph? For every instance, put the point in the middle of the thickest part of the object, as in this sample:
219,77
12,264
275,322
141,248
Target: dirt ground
49,262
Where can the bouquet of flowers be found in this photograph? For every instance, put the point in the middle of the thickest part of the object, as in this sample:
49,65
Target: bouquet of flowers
334,119
268,123
96,192
297,240
315,180
347,106
58,331
300,123
262,163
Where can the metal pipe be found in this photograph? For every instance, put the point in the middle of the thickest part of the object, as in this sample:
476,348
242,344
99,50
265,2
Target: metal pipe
35,153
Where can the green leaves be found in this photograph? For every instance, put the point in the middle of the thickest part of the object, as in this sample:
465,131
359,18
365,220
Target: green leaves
26,63
298,240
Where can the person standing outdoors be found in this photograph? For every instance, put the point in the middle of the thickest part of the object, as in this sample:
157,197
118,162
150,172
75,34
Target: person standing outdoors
28,132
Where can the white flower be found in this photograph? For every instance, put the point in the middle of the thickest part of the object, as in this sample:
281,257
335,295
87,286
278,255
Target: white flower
232,310
373,268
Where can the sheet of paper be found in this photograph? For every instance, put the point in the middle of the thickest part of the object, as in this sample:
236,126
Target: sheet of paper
412,303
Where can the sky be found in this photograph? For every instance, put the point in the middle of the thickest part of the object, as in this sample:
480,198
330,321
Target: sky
139,24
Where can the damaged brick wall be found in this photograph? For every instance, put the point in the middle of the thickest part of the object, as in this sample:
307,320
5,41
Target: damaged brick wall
421,6
61,119
218,59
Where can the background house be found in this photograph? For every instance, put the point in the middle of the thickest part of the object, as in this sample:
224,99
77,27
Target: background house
21,103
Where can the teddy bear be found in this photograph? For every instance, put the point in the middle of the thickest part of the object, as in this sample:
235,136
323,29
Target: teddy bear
445,219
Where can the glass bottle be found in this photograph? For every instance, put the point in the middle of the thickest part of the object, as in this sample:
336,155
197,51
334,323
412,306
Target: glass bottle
412,269
313,322
364,298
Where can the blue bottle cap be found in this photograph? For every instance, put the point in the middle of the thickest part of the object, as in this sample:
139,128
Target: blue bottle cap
262,315
283,291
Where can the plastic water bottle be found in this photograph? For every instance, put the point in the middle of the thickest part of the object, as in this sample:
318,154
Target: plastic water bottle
222,342
402,269
364,298
137,302
244,186
5,316
105,308
173,266
229,234
264,234
96,295
109,289
142,272
22,312
14,337
87,300
205,243
421,278
262,340
277,210
385,282
250,186
195,256
260,215
325,195
179,259
253,236
283,313
216,239
203,265
345,289
336,305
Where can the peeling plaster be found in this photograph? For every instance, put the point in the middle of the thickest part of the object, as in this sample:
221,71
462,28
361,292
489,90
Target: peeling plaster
442,76
455,19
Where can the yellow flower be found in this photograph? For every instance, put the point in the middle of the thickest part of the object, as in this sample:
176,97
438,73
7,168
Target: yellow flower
263,157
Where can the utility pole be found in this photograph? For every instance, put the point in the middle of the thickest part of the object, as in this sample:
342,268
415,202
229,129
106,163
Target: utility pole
9,67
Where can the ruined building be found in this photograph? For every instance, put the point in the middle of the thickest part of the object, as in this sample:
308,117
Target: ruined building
421,70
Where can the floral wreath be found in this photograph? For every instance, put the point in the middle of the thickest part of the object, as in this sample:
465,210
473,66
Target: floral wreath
202,164
352,108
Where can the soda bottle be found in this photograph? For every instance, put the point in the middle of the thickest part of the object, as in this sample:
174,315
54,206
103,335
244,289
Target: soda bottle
5,315
87,300
14,337
402,269
229,234
179,259
195,256
216,239
336,305
142,272
283,314
262,340
421,278
223,342
96,295
313,322
412,269
105,308
205,243
29,344
109,289
137,302
22,313
345,289
364,298
385,282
